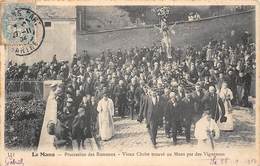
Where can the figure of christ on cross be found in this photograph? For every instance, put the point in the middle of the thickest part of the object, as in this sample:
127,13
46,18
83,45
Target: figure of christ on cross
166,31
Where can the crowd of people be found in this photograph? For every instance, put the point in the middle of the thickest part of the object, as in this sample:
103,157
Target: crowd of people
193,16
195,82
39,71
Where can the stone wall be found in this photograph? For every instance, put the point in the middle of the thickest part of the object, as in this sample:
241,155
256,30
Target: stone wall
196,34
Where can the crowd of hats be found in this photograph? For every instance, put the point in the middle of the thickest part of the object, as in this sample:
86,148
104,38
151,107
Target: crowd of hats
149,67
39,71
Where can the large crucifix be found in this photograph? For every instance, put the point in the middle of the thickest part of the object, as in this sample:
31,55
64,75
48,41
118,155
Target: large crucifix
166,30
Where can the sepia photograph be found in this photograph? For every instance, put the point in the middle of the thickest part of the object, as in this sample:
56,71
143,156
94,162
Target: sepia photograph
129,80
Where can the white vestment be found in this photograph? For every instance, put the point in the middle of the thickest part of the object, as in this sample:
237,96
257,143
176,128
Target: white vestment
105,109
203,126
226,95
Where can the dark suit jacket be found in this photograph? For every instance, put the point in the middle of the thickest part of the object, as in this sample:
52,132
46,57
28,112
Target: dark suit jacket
120,94
213,104
88,89
198,102
143,102
165,101
138,95
153,112
186,108
172,111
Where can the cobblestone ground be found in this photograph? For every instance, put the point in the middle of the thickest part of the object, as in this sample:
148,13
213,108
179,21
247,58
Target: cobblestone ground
131,135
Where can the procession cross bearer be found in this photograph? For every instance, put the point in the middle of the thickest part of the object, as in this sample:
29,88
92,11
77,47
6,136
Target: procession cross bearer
165,29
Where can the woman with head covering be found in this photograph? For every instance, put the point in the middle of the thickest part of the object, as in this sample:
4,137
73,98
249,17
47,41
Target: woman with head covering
226,96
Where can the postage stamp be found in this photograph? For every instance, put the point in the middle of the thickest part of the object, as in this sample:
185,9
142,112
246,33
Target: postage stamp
23,29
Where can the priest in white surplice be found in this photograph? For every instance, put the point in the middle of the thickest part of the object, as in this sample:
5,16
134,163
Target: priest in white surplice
105,110
205,129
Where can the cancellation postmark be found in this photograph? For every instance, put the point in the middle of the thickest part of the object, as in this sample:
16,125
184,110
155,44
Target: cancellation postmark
23,30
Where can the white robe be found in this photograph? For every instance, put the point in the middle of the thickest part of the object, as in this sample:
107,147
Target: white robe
203,125
226,95
105,109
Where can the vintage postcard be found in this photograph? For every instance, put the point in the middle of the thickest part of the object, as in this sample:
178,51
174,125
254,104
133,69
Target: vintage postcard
129,83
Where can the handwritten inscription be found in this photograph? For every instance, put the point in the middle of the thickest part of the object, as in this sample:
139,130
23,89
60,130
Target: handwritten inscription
212,158
10,160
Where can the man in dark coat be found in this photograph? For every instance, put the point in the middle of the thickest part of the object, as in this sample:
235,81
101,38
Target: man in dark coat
143,101
88,88
214,104
139,92
130,100
173,112
80,127
66,117
121,98
186,110
111,88
94,116
62,133
248,78
197,96
152,114
231,80
165,98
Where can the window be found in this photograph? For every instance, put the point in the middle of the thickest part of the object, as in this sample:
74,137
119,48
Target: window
47,24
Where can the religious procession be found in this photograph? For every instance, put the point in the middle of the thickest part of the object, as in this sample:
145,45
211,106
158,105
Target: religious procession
184,91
